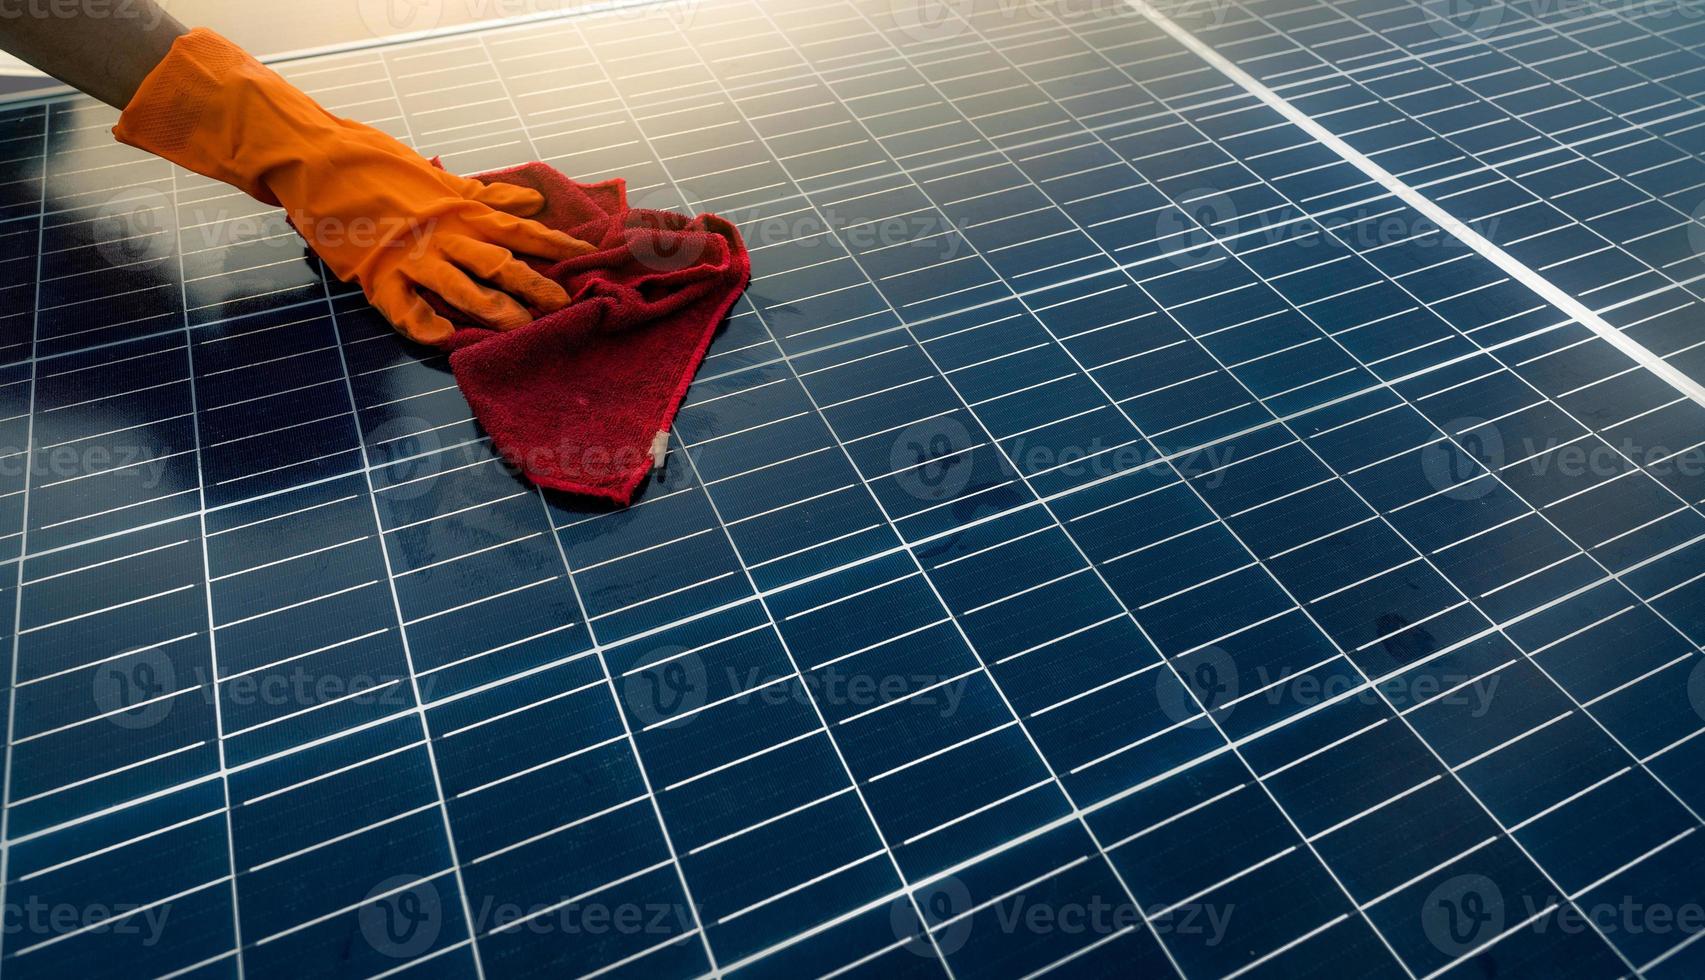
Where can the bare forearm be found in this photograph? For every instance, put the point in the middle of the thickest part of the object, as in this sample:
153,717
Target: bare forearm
102,47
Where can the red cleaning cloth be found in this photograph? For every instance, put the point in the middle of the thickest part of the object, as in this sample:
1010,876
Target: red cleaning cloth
576,398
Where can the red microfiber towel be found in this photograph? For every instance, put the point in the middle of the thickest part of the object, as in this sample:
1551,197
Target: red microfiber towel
577,398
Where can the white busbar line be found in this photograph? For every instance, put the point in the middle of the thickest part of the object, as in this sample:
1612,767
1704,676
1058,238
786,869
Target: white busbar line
1511,266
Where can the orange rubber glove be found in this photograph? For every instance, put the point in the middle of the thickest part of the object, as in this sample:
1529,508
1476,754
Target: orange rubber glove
374,210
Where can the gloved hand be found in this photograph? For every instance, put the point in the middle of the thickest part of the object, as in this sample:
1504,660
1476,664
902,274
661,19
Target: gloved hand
374,210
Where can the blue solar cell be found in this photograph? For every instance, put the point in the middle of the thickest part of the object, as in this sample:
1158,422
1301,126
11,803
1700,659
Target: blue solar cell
1113,536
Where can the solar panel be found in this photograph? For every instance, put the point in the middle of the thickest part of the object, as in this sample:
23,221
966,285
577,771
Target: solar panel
1203,490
